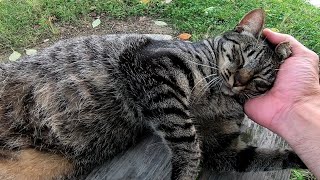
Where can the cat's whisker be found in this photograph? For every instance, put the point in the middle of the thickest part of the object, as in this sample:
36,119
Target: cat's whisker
206,87
246,95
220,85
202,80
216,68
210,83
263,40
256,44
216,82
250,95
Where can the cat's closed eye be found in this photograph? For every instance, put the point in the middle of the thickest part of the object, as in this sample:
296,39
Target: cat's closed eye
262,84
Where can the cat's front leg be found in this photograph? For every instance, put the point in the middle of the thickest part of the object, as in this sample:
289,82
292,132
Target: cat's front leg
179,133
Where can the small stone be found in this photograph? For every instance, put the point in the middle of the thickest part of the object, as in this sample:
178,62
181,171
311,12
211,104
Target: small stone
142,18
93,14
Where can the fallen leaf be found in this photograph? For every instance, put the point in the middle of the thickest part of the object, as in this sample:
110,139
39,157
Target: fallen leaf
14,56
52,18
31,52
145,1
184,36
160,23
96,23
274,29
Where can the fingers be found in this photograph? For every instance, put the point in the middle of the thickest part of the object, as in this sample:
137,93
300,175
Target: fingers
297,48
276,38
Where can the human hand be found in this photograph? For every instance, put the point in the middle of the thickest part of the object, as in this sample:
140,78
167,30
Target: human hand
297,81
292,107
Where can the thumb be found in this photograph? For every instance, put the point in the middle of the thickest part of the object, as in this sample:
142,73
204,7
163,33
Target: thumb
298,49
263,109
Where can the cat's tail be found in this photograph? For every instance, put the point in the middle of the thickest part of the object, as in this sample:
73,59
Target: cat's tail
262,159
252,158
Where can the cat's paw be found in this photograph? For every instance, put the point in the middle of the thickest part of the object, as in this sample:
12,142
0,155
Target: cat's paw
283,50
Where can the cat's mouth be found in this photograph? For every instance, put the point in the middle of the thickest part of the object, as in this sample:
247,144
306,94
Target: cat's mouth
230,88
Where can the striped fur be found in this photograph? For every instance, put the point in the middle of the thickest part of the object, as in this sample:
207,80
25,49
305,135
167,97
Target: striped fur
90,98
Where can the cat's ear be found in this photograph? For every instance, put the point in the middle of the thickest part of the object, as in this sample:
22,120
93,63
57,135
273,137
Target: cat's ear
252,22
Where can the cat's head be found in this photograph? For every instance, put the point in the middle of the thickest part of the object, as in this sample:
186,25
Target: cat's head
247,63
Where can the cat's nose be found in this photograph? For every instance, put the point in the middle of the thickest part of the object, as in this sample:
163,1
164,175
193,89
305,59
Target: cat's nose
242,77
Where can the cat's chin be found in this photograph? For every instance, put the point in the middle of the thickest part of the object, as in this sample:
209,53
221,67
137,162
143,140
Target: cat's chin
225,89
231,91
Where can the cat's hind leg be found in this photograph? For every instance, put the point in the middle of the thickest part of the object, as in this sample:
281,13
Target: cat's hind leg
32,164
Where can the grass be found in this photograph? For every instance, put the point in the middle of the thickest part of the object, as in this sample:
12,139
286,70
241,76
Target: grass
301,175
23,23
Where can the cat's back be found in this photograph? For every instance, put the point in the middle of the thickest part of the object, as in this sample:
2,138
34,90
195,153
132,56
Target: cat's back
83,49
89,58
86,65
71,86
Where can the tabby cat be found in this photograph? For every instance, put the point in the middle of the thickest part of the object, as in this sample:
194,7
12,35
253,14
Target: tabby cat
82,101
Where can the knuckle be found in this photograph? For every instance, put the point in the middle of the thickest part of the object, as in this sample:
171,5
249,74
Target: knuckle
290,38
314,55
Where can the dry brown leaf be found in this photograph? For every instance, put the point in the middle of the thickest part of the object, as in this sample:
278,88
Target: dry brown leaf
184,36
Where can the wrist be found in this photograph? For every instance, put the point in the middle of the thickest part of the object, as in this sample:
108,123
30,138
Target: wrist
302,132
300,119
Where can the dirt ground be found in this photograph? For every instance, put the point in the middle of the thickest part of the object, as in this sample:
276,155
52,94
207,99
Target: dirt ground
141,25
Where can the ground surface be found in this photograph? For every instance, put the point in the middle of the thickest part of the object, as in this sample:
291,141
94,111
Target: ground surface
142,25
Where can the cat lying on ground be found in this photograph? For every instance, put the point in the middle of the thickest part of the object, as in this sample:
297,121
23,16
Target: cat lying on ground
82,101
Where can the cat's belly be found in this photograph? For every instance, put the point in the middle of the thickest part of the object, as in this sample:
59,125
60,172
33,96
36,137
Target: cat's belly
29,164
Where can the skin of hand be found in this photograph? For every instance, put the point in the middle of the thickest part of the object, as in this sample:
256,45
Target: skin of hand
292,107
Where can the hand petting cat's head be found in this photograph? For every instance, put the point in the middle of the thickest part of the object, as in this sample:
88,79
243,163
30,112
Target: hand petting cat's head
247,63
